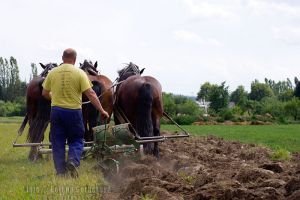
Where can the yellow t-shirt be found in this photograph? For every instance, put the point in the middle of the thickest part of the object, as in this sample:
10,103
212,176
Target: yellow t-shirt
66,84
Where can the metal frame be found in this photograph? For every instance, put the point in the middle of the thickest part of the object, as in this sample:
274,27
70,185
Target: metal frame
139,140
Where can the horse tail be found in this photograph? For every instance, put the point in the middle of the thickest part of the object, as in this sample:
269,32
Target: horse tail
92,114
40,122
21,129
144,125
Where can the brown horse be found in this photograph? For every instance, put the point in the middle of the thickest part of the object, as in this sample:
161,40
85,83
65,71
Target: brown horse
37,110
103,88
139,102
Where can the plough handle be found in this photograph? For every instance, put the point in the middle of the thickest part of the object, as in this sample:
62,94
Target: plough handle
168,117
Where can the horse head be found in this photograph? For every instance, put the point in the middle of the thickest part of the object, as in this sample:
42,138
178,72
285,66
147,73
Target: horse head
89,67
130,70
47,68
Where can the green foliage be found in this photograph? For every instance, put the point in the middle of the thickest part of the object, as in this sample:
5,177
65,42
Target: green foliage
11,87
280,88
185,119
182,109
260,91
253,107
217,95
292,108
272,106
239,96
205,91
226,114
8,108
169,104
286,95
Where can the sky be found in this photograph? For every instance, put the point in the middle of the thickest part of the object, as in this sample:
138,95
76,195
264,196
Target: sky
182,43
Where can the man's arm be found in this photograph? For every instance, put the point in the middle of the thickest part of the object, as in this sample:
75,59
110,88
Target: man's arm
95,101
46,94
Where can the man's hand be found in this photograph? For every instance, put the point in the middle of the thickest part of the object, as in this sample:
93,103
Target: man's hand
95,101
104,115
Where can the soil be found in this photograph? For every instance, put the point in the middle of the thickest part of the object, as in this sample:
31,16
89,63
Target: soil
206,168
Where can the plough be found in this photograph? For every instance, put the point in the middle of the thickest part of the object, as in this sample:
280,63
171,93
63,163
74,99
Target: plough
109,141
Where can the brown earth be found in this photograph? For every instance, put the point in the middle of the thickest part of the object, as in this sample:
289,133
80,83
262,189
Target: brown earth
206,168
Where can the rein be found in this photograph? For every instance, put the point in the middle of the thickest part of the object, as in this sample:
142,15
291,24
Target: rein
87,102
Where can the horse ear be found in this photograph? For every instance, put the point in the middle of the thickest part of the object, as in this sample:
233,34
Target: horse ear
142,71
96,64
42,65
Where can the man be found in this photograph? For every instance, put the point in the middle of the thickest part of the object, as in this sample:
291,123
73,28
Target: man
64,86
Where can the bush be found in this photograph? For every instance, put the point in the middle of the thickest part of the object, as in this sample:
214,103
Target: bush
226,114
185,119
8,109
182,109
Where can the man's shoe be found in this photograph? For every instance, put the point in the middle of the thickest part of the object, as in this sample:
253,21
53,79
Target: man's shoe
61,175
72,169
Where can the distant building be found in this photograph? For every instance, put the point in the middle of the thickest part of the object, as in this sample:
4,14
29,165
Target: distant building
204,105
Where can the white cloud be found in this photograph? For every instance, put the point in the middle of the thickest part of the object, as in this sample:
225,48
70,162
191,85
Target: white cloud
267,8
287,34
209,10
189,36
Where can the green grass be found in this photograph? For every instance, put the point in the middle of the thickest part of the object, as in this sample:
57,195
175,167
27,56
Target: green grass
22,179
281,154
11,119
274,136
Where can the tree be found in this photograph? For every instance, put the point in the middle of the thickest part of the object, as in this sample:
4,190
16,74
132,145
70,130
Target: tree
10,84
33,71
219,97
272,106
205,91
297,88
260,91
239,96
283,90
292,108
4,78
14,83
169,104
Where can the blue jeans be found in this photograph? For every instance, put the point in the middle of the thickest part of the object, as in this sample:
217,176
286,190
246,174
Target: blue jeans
66,125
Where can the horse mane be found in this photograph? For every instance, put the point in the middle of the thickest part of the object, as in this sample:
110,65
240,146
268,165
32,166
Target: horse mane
47,68
131,69
89,68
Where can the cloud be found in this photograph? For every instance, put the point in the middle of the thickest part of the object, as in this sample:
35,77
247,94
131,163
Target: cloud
288,34
83,52
188,36
265,8
209,10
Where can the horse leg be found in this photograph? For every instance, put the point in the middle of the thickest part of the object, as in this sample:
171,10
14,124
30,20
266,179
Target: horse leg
156,132
85,122
92,122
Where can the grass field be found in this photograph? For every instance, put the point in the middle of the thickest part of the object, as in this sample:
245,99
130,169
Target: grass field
21,179
274,136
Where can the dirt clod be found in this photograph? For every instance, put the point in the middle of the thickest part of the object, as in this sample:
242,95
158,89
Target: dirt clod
207,168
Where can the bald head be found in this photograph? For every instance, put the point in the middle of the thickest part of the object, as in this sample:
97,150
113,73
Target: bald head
69,56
